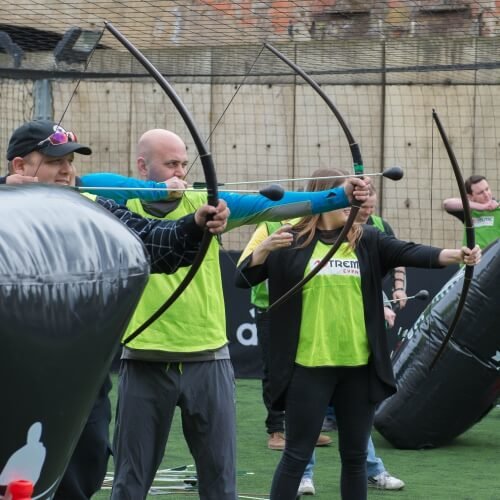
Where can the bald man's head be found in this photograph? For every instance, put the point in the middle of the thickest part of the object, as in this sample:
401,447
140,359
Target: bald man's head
161,155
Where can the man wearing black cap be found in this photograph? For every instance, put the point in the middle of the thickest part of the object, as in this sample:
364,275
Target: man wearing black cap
30,143
32,136
42,151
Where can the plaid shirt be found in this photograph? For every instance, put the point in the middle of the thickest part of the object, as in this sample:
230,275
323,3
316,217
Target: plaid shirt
170,244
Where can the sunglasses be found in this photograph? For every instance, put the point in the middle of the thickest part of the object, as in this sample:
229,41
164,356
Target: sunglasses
58,138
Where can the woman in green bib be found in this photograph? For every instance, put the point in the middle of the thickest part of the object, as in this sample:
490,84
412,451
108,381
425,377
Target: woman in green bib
328,341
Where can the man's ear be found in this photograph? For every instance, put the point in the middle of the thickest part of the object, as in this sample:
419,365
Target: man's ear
18,166
142,168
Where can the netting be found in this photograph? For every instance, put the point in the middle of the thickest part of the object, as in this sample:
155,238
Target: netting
385,65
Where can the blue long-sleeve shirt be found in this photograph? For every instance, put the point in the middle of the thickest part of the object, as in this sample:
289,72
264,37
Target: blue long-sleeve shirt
245,208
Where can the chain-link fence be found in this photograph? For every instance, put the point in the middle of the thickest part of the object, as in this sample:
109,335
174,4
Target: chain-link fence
261,121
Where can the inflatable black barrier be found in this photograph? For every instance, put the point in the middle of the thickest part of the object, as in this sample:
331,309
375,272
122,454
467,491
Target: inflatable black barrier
432,407
71,275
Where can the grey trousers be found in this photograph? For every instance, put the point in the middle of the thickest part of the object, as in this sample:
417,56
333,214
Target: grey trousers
148,393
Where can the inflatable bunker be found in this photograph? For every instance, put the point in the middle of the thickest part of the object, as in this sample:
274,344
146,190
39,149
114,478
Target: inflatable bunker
433,406
71,275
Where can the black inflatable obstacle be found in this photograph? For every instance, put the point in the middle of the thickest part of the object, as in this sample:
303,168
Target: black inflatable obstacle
434,406
70,276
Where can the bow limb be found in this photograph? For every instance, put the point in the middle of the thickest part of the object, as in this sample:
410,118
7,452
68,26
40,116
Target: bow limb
208,170
469,235
358,170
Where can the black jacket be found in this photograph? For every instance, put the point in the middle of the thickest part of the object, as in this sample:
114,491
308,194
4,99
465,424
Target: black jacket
377,253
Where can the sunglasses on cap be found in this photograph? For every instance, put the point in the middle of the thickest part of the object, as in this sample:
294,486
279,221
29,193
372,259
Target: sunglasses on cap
58,138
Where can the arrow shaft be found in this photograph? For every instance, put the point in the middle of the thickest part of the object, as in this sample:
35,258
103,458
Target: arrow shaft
398,300
105,188
293,179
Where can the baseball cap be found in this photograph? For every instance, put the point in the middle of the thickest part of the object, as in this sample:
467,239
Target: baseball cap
45,136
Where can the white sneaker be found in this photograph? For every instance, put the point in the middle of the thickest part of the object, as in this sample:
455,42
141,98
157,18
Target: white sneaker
384,481
306,487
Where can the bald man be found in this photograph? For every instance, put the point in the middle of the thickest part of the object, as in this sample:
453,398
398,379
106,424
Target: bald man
182,359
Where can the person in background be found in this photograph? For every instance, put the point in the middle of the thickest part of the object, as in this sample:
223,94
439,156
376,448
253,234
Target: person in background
485,211
378,476
366,215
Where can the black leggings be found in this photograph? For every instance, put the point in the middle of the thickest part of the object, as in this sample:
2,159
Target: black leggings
309,393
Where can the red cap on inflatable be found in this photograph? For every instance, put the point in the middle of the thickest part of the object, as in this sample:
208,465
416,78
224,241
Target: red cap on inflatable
19,490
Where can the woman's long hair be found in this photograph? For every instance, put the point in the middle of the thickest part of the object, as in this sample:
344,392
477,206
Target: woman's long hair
306,227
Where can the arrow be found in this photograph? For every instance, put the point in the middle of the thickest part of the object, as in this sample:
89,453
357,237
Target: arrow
393,173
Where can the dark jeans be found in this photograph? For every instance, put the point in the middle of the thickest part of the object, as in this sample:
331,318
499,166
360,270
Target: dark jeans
309,393
87,466
275,420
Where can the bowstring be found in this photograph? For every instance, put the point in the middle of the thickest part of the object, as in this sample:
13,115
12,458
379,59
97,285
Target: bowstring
218,238
233,97
433,128
73,93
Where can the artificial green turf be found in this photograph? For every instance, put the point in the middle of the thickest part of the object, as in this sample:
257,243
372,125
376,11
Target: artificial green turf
467,469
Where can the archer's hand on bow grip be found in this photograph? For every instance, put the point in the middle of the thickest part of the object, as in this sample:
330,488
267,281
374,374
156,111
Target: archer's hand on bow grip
470,257
213,218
